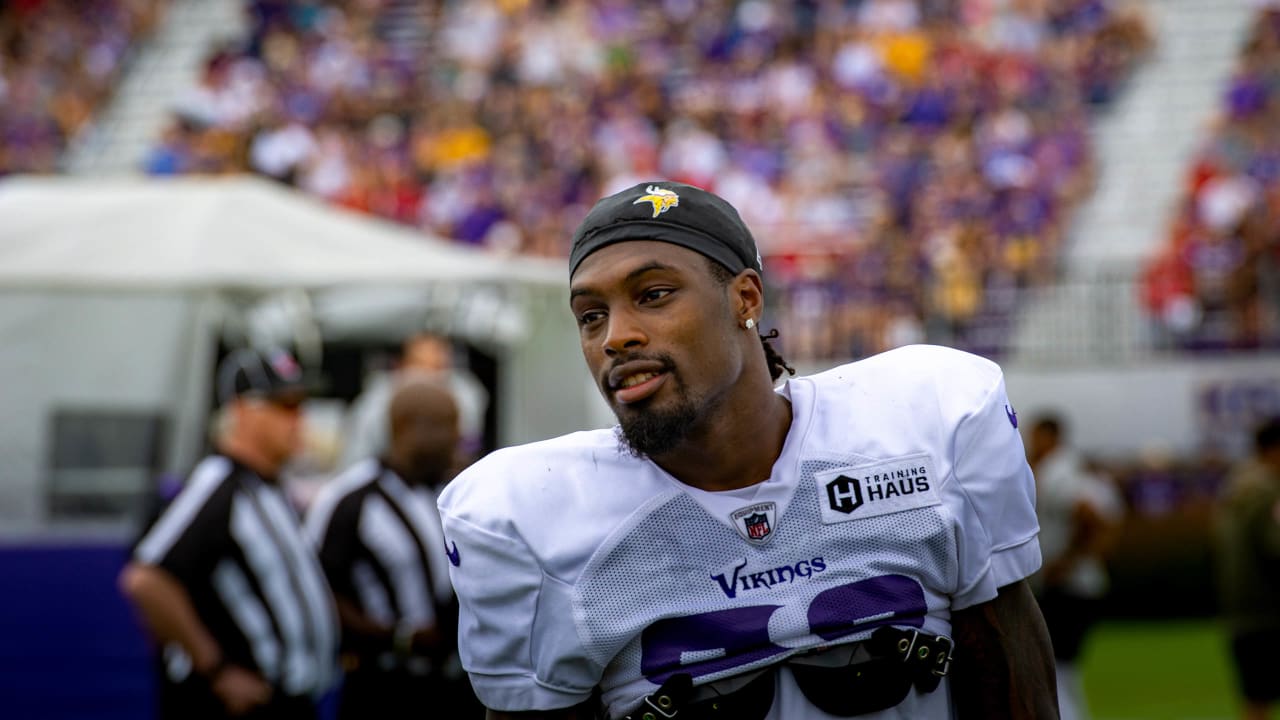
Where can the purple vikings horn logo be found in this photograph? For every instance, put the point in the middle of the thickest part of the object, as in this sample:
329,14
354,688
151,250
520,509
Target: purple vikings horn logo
661,198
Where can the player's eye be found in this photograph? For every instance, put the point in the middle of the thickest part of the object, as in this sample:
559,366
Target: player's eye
655,294
590,317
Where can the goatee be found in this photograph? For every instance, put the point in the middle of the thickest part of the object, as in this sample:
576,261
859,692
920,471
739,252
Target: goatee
655,432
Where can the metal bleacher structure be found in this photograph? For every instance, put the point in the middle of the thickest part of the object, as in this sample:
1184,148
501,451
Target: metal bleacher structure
170,62
162,69
1143,144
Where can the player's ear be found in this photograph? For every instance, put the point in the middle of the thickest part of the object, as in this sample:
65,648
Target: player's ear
747,295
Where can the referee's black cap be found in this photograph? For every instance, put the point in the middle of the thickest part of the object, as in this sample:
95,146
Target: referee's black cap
668,212
265,374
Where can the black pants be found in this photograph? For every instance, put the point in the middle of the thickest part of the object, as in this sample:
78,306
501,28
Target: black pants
192,699
1257,664
1069,618
399,695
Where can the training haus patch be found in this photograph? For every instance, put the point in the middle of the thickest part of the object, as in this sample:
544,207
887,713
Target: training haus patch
879,488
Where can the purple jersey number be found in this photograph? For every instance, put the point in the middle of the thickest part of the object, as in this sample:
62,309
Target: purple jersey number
721,640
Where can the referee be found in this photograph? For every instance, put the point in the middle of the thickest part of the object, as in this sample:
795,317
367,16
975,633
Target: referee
225,580
382,548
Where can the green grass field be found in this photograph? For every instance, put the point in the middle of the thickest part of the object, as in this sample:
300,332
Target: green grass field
1167,670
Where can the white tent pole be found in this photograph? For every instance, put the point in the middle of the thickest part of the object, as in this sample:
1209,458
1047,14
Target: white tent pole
191,406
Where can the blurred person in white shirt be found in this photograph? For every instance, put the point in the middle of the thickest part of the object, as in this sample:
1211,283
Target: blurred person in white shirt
428,354
1079,512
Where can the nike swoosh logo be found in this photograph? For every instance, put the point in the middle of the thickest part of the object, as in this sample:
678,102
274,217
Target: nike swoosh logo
1013,416
454,558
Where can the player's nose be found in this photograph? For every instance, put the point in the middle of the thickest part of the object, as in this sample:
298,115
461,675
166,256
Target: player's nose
624,333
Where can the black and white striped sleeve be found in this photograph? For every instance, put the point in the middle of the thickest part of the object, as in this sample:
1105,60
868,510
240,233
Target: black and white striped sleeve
191,535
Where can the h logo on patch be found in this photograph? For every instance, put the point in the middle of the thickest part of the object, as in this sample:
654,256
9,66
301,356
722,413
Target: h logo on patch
844,494
756,522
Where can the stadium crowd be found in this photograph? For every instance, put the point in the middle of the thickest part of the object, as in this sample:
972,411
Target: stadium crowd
905,164
1215,283
59,62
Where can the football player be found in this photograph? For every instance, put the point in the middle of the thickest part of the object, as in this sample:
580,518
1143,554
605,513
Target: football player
849,544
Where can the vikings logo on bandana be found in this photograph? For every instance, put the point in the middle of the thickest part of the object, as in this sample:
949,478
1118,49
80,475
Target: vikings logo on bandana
756,522
662,199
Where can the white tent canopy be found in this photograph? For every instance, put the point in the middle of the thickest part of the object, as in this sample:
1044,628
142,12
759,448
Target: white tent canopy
113,294
237,232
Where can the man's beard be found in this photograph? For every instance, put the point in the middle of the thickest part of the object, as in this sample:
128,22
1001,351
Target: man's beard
653,432
648,430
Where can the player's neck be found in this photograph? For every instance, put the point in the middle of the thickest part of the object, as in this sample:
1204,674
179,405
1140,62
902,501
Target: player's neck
734,449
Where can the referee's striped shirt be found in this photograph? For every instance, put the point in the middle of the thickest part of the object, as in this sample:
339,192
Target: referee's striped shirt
236,545
382,547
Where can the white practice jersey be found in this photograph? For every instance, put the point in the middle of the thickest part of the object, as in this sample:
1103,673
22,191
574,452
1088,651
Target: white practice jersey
902,493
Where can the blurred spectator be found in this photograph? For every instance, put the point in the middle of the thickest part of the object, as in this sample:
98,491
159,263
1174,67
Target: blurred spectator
1248,559
59,62
1079,513
381,546
902,163
225,580
1216,281
422,354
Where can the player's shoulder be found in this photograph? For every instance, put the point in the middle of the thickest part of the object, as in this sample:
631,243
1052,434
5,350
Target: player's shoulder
916,374
913,396
534,475
558,498
912,364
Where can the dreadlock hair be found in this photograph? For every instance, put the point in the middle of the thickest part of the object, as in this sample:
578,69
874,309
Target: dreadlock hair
777,365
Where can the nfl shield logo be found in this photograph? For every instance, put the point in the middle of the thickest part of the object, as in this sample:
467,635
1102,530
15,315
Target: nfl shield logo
756,522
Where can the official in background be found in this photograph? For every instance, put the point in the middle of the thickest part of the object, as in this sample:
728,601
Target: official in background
1080,514
225,580
382,548
1248,559
366,424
